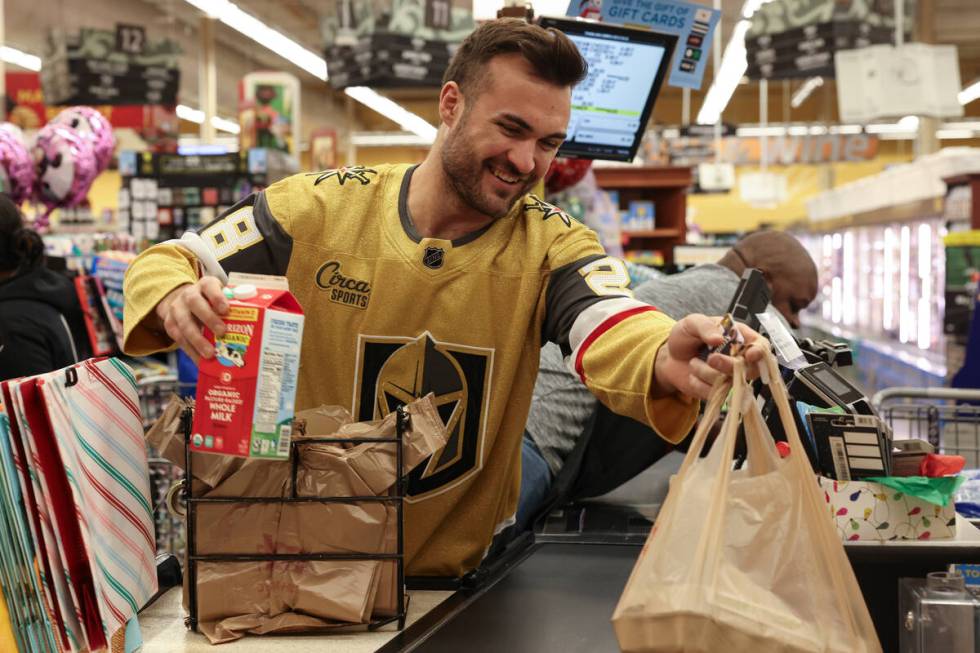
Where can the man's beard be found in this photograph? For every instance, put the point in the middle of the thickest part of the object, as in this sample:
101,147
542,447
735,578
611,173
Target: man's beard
465,174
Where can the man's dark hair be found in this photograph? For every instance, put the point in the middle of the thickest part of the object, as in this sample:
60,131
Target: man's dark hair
552,55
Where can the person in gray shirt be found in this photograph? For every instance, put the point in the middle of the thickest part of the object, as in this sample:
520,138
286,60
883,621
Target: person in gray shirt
561,405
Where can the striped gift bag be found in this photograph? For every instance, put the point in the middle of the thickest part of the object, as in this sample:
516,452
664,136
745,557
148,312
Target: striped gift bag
99,432
42,481
23,501
21,586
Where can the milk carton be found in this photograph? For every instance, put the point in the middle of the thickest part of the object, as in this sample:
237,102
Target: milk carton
246,392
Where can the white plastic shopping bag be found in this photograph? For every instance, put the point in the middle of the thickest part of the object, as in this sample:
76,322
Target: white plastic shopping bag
744,560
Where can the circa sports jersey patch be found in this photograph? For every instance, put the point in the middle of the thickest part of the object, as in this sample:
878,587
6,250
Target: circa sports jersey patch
535,203
343,289
357,173
397,370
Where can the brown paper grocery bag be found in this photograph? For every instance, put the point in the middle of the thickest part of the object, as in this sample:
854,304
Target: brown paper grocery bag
258,597
744,560
167,437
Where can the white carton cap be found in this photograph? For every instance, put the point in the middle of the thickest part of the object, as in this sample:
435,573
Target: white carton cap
245,291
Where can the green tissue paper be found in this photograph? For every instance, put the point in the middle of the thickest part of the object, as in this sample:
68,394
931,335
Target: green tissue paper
938,491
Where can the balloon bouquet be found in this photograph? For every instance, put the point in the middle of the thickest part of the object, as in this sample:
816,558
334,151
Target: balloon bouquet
67,155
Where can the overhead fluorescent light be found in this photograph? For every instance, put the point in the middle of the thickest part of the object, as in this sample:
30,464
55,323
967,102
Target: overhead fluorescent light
232,15
393,111
188,150
487,9
19,58
760,131
388,139
907,125
962,124
910,123
901,136
788,130
802,93
954,134
970,93
185,112
733,66
225,125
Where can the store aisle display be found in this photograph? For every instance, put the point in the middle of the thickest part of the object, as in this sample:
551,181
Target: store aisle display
163,195
75,489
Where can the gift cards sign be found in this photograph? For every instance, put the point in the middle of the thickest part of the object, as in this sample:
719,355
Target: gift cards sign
693,24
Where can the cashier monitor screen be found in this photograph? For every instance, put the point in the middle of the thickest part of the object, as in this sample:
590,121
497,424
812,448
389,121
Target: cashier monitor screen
610,108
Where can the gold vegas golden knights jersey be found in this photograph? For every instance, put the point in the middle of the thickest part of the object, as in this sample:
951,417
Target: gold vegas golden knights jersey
391,316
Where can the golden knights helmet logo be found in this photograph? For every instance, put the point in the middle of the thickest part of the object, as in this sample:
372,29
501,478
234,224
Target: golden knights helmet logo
395,371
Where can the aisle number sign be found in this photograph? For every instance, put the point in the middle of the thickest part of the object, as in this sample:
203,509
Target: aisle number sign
694,26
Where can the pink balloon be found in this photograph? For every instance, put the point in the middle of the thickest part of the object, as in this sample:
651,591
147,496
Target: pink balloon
66,166
16,167
93,125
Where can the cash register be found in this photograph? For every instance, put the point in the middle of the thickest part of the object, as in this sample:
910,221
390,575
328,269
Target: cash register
844,438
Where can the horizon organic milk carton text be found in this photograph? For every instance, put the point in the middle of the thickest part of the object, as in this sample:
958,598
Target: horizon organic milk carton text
246,392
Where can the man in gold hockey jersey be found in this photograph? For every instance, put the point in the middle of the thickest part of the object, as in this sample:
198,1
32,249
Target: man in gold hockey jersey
445,278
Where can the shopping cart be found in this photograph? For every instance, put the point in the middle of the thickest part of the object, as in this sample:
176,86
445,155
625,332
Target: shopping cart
948,418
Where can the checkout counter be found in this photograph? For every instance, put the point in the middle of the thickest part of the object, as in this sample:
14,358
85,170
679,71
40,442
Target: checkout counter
557,593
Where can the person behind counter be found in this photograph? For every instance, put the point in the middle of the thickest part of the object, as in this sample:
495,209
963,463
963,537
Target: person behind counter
445,278
561,407
41,323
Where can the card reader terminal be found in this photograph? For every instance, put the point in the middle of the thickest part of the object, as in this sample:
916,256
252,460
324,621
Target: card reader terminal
831,388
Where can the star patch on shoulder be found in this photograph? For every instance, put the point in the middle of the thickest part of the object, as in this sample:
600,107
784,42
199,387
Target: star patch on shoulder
534,203
358,173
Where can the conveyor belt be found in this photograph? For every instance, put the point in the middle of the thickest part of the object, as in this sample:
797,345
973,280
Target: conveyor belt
560,598
560,595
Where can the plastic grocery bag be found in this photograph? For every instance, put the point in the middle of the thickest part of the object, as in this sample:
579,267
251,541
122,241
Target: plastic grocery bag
744,560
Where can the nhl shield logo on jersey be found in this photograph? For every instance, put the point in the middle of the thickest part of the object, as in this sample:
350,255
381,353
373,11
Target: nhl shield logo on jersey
398,370
357,173
535,203
433,257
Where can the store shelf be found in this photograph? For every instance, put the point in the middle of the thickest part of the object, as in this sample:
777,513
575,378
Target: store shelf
83,229
667,189
882,363
906,212
652,234
643,177
898,193
972,182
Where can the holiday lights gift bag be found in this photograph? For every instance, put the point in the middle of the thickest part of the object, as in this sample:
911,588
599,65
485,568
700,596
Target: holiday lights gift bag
744,560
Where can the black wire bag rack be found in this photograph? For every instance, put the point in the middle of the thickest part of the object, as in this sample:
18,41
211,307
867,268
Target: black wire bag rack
396,498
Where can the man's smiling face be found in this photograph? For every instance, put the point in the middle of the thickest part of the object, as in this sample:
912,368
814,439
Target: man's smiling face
506,135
